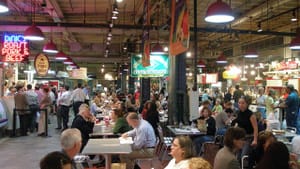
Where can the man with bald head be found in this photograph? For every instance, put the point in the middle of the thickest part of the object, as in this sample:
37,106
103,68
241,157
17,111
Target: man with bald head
144,140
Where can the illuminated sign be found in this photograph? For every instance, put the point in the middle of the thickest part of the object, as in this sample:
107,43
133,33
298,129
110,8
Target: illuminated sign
15,48
159,66
41,64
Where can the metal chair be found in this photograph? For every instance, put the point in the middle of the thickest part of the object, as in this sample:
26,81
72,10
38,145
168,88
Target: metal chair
164,144
244,161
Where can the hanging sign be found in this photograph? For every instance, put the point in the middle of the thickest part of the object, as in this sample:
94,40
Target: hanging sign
15,48
41,64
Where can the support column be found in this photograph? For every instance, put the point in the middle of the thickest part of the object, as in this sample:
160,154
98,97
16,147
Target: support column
145,90
177,106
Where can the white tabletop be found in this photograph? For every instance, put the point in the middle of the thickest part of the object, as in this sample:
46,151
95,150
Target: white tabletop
106,146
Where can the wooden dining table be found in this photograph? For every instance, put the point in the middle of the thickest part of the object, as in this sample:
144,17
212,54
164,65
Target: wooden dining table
106,147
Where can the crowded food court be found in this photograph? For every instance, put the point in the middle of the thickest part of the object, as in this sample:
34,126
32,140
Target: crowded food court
152,84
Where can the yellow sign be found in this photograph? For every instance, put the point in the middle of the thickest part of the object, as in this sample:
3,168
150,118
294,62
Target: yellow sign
229,74
41,64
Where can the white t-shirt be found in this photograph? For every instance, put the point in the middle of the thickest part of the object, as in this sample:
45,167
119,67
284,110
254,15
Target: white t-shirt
184,164
296,145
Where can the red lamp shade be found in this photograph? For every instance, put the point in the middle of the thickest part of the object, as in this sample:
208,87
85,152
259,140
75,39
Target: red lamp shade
295,43
221,59
201,64
50,47
251,53
61,56
33,33
68,61
157,49
219,12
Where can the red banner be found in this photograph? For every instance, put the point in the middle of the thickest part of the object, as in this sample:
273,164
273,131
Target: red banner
179,34
146,36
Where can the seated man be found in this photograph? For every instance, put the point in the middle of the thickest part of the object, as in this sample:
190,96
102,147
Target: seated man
144,140
70,141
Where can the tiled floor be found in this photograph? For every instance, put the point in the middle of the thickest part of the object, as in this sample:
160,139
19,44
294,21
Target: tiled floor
25,152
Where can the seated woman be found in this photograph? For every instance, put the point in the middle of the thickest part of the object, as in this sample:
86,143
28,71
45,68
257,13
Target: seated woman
181,151
209,124
276,157
233,142
265,138
84,122
56,160
199,163
217,108
121,125
152,116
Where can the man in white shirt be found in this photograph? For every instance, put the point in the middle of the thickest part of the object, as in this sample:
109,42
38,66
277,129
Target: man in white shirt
144,140
64,105
78,98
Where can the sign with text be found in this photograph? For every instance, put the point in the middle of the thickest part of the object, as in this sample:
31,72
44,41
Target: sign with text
79,73
207,78
159,66
15,48
41,64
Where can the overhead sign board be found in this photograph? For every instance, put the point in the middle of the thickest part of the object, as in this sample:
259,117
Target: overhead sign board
15,48
159,66
41,64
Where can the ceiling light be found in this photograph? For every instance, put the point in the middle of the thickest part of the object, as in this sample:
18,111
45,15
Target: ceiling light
109,33
166,49
33,33
111,25
115,9
294,18
157,49
68,61
295,43
109,38
219,12
259,29
114,16
61,56
50,47
201,64
251,53
119,0
221,59
3,7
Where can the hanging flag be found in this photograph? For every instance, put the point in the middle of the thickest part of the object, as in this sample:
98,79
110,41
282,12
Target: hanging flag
146,36
179,34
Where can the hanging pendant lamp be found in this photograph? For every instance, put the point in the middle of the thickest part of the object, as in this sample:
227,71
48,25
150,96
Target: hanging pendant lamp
3,7
251,53
68,61
50,47
221,59
33,33
201,64
157,49
61,56
219,12
295,43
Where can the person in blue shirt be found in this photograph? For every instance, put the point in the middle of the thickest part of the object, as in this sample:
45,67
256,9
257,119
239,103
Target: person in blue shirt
291,106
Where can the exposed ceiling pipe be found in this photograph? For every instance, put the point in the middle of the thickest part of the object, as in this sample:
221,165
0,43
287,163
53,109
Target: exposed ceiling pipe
257,11
6,26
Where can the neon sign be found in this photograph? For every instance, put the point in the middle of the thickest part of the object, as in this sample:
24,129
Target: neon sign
15,48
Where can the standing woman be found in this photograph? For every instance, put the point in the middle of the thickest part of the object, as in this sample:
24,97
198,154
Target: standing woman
181,151
44,104
152,116
246,120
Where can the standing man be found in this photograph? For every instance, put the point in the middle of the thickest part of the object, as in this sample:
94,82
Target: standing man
291,106
78,98
70,141
22,104
64,104
144,140
32,99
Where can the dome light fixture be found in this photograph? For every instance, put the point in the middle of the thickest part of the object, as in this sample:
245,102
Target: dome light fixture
33,33
219,12
295,43
3,7
201,64
221,59
251,53
157,49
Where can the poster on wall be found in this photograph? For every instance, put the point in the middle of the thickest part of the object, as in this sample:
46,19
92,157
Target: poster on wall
159,66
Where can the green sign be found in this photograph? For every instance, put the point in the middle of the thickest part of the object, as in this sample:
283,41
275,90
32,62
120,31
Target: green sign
159,66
